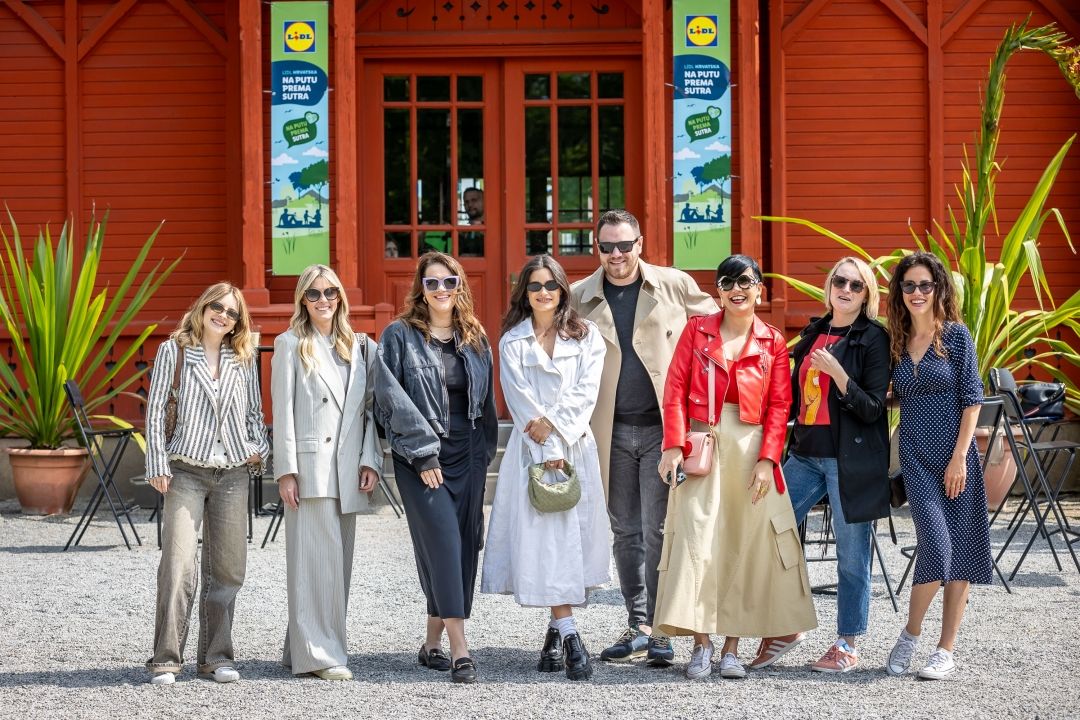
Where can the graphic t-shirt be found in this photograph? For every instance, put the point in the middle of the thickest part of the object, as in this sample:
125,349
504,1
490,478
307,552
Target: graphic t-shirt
812,434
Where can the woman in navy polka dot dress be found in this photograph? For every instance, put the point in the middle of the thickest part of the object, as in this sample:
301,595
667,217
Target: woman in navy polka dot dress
936,378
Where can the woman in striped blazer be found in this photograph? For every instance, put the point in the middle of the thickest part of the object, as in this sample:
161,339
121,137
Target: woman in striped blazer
326,458
202,471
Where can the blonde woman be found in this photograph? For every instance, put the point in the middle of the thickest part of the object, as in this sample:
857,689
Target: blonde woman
326,457
202,472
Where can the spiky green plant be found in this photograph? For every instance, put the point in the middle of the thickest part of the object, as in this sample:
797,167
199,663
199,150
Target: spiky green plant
61,328
1004,336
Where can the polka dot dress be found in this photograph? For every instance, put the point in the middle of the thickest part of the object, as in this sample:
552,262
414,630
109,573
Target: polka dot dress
953,536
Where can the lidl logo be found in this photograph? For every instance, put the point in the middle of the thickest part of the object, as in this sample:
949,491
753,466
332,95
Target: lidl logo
299,36
701,31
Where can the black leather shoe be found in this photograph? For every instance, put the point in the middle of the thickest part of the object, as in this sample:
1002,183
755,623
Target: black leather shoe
463,671
577,660
661,654
551,657
632,644
434,659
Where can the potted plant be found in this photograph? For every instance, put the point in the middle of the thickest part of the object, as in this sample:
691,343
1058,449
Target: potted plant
61,327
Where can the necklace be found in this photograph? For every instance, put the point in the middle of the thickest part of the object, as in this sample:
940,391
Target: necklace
813,374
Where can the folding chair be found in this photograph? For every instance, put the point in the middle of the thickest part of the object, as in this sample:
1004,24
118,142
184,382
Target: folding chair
1036,458
991,419
104,468
277,515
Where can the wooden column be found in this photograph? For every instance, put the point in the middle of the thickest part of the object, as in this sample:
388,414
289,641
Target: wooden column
252,156
778,153
655,223
345,194
935,137
234,216
72,124
748,100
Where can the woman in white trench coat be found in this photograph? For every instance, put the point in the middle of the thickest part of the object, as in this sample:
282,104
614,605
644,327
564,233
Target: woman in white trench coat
550,360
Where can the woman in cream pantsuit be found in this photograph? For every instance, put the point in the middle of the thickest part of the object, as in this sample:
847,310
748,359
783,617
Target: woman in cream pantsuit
326,457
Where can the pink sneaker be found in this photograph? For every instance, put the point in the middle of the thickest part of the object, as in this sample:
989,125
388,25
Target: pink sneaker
772,649
840,658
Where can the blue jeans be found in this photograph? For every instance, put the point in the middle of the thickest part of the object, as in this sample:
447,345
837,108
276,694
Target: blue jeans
809,479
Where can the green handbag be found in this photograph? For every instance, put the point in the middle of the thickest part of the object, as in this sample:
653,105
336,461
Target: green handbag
553,497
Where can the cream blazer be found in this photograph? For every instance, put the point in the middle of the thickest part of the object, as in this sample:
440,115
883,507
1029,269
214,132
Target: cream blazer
323,434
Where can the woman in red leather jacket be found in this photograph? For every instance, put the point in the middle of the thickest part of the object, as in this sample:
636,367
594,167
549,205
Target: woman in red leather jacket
731,564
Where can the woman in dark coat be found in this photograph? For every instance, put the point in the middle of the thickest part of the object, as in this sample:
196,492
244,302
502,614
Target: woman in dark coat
840,445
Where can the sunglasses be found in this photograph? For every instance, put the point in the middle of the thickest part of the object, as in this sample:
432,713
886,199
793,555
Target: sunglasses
550,286
222,310
925,287
745,282
624,246
839,282
313,294
432,284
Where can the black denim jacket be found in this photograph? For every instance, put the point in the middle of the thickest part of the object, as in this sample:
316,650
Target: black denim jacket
411,403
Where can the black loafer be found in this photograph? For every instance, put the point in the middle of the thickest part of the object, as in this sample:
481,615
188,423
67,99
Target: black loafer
576,658
433,659
463,671
551,657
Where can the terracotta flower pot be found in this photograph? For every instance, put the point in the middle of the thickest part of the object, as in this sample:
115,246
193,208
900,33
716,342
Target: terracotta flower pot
46,481
1000,473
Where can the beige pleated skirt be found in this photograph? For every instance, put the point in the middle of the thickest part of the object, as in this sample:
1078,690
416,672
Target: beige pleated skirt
729,567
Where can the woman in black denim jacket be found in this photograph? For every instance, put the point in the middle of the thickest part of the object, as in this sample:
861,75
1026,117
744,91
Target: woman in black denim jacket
434,397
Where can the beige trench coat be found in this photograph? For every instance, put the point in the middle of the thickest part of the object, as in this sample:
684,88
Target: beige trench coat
668,298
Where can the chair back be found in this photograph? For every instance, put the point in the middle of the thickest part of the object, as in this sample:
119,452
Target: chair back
999,470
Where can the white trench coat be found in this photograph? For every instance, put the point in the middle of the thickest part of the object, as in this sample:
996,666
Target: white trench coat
547,559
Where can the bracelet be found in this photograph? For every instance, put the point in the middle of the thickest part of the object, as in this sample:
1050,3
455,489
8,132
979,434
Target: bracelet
547,422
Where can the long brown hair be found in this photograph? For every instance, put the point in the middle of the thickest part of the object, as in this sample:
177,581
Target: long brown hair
301,324
463,317
188,332
567,322
944,299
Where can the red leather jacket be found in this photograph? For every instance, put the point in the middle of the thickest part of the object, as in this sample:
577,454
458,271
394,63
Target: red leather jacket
762,374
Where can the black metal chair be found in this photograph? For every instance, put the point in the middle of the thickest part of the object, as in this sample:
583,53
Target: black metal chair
1034,461
104,467
992,419
277,515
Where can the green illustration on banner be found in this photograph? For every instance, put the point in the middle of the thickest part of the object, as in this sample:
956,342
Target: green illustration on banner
299,157
701,142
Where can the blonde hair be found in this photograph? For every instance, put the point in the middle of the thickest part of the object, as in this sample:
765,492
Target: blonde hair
301,325
188,332
463,316
873,292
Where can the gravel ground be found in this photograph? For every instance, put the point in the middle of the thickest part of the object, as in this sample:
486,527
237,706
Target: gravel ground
77,626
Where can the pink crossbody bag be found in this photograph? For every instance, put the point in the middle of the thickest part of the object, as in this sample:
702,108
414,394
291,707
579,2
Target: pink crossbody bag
700,458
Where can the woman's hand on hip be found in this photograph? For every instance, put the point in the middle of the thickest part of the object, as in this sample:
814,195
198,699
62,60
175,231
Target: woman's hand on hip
669,462
432,478
368,479
760,479
289,490
160,483
955,477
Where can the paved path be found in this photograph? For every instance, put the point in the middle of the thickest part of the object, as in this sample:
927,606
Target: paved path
75,628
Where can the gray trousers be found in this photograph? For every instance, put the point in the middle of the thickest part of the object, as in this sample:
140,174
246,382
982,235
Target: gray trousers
218,497
319,544
637,505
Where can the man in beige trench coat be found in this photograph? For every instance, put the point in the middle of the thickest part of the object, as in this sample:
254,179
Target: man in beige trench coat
640,310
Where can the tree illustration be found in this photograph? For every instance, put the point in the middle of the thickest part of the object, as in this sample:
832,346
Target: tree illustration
314,176
718,169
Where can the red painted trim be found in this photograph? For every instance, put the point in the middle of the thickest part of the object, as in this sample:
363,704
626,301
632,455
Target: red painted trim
253,229
910,20
492,43
39,25
935,114
346,248
798,22
1066,20
777,232
200,22
958,20
748,112
113,16
655,197
234,162
73,122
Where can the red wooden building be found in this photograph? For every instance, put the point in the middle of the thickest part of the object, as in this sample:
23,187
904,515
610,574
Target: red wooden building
850,112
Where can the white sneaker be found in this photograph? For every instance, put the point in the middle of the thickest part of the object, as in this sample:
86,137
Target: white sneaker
164,678
338,672
731,668
226,675
900,656
700,662
939,666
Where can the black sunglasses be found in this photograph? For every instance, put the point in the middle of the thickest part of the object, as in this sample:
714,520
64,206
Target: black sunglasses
432,284
313,294
745,282
222,310
624,246
839,281
550,286
925,287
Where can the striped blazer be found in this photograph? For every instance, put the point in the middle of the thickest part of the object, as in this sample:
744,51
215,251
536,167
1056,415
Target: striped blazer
237,413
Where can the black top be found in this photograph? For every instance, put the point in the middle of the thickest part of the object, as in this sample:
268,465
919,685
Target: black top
457,380
812,434
635,396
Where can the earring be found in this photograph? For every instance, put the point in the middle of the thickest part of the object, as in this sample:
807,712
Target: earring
758,301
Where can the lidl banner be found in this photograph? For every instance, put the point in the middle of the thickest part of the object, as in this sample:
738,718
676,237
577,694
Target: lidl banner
299,124
702,133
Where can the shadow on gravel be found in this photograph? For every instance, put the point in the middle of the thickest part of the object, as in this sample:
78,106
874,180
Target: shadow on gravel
1038,579
53,549
87,677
